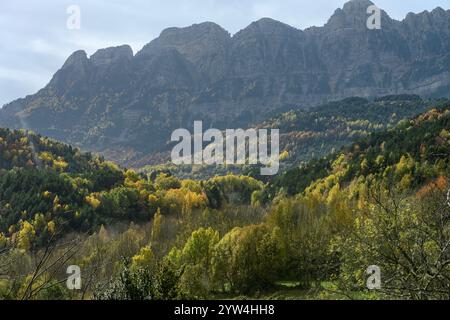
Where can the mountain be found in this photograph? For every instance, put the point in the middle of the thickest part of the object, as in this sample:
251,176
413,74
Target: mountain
126,105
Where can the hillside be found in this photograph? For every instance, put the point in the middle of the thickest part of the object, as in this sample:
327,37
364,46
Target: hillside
125,104
45,181
314,133
411,153
50,189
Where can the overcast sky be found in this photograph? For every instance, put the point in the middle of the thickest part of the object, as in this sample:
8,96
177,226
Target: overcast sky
35,40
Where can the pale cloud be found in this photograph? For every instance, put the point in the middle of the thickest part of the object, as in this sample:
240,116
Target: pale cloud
19,75
264,9
16,83
44,47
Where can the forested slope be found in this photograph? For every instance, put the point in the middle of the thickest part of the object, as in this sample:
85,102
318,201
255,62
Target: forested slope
416,150
310,233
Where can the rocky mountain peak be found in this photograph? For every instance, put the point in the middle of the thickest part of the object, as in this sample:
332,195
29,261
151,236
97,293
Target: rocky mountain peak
112,55
73,75
356,6
76,59
203,45
354,14
188,39
208,29
266,26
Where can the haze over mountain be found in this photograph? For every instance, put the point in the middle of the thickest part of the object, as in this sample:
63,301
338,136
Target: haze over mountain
126,105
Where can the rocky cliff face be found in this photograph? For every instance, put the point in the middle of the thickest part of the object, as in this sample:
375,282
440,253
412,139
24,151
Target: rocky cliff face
127,105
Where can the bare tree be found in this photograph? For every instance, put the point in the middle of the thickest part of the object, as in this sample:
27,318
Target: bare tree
414,243
49,262
4,262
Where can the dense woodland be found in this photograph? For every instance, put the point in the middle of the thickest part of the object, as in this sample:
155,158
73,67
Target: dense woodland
309,233
307,134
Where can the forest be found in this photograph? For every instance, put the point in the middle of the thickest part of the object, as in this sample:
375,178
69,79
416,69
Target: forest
307,134
309,233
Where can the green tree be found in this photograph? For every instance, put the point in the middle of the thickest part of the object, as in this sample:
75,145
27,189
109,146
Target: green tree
247,259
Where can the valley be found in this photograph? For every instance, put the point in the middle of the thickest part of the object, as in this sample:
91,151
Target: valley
112,188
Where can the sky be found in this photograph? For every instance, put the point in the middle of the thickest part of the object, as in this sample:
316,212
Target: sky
36,40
